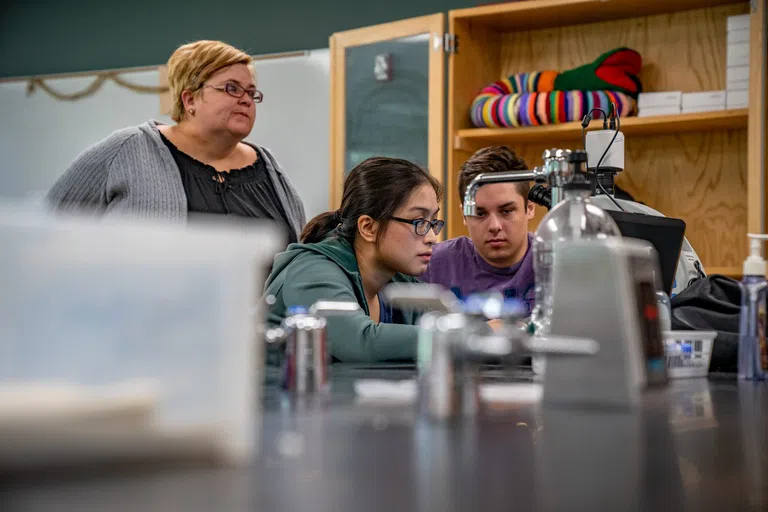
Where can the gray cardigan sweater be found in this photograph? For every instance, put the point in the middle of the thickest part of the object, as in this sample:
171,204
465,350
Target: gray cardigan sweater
132,173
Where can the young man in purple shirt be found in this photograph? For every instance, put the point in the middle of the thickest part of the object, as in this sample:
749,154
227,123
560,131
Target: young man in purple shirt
498,254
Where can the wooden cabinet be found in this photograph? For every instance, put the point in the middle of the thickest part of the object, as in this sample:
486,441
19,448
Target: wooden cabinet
705,168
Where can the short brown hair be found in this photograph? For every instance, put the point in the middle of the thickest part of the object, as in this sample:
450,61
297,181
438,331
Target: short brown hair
192,64
493,159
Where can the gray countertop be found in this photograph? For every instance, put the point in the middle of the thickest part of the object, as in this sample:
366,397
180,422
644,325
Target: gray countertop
697,445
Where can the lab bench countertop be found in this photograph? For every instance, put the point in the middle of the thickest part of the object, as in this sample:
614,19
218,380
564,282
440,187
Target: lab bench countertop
699,445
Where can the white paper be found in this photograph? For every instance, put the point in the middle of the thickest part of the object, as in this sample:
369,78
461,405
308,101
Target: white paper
404,391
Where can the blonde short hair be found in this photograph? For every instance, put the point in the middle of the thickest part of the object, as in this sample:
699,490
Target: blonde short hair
192,64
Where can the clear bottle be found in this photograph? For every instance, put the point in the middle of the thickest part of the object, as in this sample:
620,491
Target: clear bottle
752,352
575,218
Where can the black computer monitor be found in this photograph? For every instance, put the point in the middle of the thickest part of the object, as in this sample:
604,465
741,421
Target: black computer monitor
664,233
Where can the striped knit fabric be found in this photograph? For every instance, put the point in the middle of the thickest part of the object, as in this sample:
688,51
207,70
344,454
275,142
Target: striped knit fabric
538,81
498,105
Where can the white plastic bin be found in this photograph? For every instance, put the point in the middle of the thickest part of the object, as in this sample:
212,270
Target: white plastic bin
688,352
99,306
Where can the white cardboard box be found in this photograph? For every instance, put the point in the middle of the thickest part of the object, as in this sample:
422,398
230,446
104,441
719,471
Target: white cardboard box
658,111
693,109
737,85
663,99
737,55
737,99
740,22
738,36
737,78
714,99
733,73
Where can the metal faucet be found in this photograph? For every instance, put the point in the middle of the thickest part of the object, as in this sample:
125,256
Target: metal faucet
302,338
470,206
453,343
554,172
455,340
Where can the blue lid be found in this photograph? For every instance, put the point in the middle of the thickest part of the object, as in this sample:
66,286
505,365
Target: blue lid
473,304
296,310
493,306
514,307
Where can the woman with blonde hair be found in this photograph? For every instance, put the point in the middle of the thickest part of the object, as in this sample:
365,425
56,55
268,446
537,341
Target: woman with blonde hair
199,165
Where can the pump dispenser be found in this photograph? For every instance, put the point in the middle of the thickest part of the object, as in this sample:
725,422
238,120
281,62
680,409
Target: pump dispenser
754,265
753,353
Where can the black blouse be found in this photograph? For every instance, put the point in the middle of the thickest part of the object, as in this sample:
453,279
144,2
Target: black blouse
245,192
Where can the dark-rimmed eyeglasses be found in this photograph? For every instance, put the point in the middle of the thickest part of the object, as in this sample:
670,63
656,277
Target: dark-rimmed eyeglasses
422,226
238,91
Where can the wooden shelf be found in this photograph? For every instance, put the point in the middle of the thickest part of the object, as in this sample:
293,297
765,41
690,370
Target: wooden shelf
732,272
535,14
656,125
714,157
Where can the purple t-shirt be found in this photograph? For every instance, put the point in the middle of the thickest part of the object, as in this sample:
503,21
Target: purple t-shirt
457,265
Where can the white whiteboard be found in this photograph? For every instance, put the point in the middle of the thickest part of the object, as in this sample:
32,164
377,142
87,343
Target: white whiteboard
40,135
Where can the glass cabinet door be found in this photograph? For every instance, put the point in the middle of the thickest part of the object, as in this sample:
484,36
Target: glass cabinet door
387,95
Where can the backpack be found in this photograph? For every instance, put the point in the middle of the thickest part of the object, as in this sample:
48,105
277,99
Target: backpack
712,303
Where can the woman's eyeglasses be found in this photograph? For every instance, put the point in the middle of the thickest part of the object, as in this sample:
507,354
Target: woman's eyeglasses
237,91
422,226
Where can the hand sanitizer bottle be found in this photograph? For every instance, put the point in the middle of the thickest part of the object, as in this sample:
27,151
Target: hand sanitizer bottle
753,354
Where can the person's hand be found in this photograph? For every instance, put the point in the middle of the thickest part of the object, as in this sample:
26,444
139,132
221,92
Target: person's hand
496,324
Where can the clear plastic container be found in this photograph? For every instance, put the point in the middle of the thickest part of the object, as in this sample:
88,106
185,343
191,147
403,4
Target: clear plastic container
87,308
688,353
575,218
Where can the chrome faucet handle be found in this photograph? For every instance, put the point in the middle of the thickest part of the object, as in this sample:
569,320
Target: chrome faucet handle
452,348
561,345
541,174
302,338
448,374
505,341
508,349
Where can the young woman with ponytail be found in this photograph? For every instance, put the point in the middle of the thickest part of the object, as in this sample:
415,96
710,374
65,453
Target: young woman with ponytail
383,233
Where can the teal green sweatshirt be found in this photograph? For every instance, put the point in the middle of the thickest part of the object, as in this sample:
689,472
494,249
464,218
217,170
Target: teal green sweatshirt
306,273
